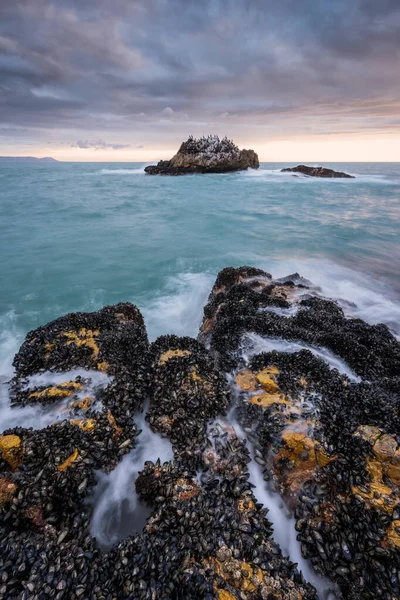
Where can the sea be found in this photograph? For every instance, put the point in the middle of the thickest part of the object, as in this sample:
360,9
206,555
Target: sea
78,236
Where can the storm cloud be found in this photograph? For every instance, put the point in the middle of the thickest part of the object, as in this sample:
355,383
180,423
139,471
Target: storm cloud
140,71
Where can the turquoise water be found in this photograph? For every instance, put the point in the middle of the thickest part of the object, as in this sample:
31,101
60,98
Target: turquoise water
78,236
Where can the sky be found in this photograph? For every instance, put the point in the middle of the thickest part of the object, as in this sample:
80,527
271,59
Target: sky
129,80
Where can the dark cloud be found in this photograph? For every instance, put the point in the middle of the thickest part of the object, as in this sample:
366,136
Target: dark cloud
98,145
145,66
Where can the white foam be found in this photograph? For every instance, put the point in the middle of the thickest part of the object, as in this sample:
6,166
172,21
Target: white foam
252,344
179,308
118,512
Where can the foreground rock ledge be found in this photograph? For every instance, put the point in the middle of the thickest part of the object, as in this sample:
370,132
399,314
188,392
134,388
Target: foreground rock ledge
326,441
317,172
206,155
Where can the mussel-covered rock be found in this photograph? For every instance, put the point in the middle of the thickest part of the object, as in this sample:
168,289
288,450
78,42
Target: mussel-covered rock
327,442
186,391
340,476
246,300
109,340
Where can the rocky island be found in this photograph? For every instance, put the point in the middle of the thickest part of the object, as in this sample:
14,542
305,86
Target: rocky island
317,172
207,154
317,423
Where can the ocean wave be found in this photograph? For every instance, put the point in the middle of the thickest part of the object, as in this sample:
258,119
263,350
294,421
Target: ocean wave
179,307
276,175
123,171
359,296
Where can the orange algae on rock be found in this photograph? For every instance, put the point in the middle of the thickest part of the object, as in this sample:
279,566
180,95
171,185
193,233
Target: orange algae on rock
176,353
10,447
68,461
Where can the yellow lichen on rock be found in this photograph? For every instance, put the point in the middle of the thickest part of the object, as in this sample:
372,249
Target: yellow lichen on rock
392,538
84,337
385,449
238,574
62,390
83,404
166,356
379,495
246,505
247,381
224,595
87,425
266,379
49,348
298,459
103,366
7,491
368,433
69,461
321,455
10,447
113,423
268,399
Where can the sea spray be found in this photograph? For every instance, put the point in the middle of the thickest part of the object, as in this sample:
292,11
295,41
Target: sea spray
179,308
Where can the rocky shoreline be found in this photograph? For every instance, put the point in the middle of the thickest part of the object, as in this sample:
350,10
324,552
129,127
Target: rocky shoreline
206,155
326,441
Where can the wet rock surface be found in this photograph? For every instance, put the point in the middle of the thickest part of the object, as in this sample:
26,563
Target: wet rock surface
326,440
206,155
317,172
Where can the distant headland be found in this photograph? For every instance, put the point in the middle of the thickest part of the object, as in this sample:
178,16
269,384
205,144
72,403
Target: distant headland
27,159
207,154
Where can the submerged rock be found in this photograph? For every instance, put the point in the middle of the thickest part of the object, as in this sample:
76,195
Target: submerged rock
317,172
206,155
